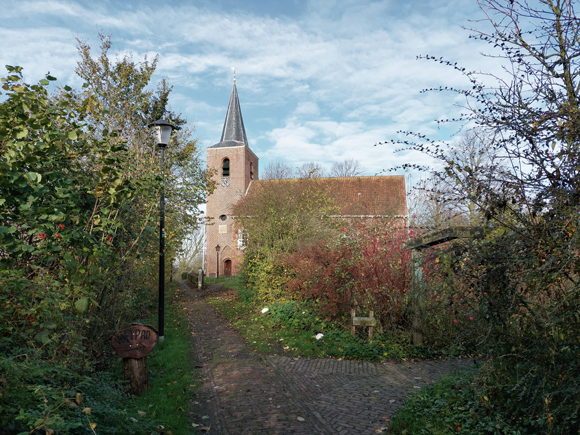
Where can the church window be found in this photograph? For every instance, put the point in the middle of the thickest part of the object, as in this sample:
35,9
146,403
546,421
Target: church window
251,171
226,168
223,217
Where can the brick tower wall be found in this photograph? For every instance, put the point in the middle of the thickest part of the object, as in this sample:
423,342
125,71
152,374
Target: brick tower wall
228,192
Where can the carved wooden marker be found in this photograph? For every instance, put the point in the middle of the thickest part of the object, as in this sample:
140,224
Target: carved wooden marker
133,344
363,321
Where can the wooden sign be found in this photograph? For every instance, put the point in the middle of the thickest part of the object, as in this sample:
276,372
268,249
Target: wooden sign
135,341
363,321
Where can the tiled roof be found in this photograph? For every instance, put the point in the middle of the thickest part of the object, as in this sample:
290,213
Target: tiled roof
358,196
234,132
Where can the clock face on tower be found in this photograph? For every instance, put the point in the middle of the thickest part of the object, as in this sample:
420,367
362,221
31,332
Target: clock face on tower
225,182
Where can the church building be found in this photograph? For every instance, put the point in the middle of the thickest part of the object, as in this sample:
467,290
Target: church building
236,172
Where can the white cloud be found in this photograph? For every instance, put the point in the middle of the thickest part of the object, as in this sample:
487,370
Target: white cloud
327,142
331,81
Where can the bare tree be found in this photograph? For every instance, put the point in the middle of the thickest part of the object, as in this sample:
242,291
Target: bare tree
276,171
429,206
347,168
189,257
454,196
310,170
475,163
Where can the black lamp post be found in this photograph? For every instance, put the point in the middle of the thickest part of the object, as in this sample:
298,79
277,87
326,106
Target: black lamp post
163,131
217,250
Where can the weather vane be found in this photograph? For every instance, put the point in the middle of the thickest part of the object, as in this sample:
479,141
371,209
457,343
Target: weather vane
234,70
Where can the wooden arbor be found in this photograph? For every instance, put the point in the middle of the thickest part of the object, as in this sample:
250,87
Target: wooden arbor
418,247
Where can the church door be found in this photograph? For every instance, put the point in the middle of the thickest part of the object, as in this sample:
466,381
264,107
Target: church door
228,268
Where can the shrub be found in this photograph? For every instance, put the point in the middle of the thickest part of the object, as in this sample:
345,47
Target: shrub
365,268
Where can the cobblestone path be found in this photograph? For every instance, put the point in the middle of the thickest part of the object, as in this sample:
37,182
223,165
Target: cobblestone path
250,393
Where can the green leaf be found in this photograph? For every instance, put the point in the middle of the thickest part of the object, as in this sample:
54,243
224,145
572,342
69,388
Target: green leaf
82,305
27,248
44,82
43,336
33,176
3,230
72,135
51,78
50,324
21,133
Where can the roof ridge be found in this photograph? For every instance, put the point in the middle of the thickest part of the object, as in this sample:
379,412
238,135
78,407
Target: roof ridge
377,177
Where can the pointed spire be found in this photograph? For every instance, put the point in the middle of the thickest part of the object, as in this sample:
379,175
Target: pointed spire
234,124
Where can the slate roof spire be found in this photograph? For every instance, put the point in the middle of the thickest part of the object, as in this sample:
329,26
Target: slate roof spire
234,133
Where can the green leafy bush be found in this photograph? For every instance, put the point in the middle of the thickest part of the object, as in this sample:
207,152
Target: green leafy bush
79,203
462,403
37,394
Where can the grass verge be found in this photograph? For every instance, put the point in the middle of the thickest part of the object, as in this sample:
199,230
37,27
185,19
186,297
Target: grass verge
291,327
208,281
171,386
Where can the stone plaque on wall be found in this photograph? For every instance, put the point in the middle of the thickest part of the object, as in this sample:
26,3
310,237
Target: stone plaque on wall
223,229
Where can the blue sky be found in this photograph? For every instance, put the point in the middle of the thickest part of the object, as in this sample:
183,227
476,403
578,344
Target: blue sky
318,80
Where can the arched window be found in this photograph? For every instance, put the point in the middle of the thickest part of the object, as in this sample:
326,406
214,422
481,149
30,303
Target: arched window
251,171
226,168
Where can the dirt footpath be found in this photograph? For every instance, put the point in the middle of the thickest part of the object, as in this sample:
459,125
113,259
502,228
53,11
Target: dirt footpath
250,393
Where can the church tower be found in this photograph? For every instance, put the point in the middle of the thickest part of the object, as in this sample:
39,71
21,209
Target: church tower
236,166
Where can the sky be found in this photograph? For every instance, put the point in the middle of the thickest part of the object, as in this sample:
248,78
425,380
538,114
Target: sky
319,80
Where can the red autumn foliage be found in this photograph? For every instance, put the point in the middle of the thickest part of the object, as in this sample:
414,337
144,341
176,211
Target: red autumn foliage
366,269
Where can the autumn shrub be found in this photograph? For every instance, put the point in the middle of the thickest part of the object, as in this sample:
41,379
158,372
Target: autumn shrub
365,268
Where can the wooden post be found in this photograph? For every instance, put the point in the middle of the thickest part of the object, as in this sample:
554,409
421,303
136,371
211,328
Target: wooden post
133,344
417,296
135,370
353,328
199,279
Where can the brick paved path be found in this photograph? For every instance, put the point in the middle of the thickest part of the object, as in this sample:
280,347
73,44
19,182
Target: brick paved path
250,393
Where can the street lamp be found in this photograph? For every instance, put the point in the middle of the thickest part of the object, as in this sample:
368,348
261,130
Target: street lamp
163,131
217,250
